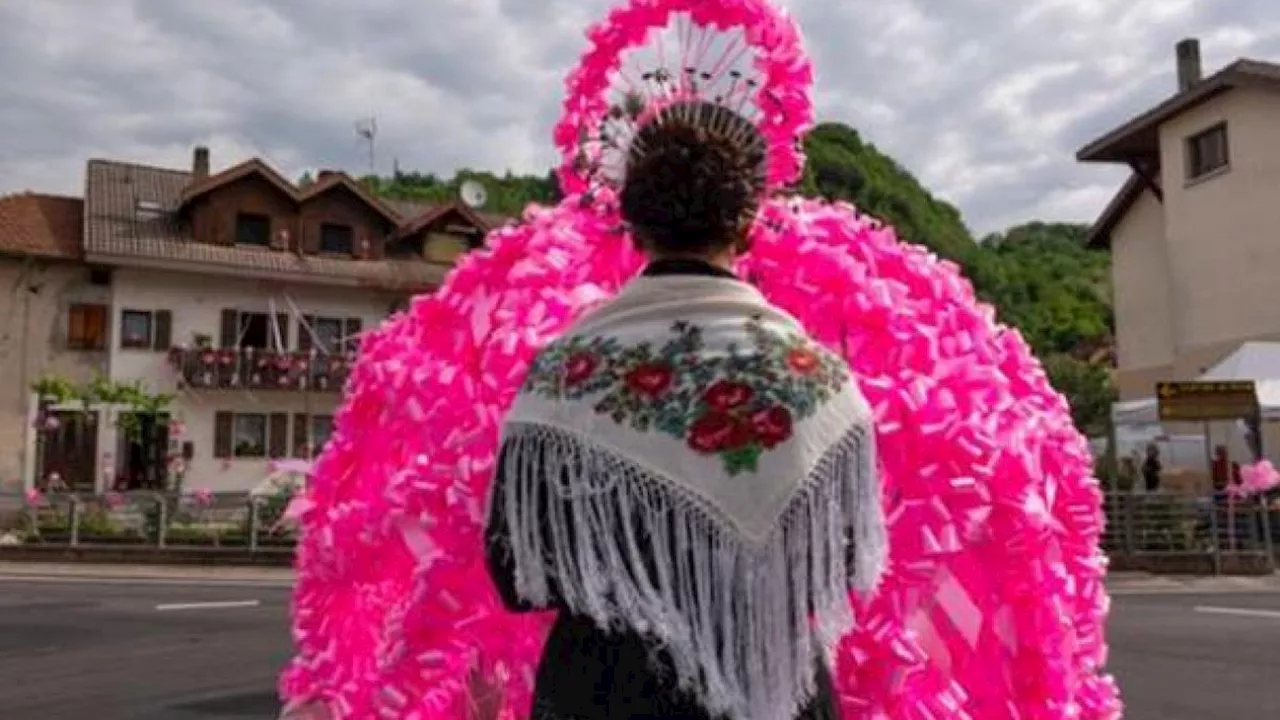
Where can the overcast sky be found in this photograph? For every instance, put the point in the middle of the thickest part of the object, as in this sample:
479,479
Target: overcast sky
984,102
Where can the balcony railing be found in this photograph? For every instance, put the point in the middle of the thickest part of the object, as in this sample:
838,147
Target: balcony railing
259,369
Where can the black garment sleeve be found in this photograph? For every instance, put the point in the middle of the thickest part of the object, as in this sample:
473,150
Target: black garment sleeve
497,543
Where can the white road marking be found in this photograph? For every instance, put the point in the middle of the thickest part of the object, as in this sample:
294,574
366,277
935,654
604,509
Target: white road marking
1240,612
212,605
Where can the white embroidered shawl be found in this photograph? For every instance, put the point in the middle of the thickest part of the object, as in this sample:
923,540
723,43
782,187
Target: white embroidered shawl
721,465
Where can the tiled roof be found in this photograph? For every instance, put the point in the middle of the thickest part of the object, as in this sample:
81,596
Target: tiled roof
131,215
47,226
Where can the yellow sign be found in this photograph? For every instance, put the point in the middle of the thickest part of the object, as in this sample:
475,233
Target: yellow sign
1207,400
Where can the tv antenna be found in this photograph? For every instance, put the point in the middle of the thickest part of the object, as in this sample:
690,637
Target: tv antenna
368,131
473,194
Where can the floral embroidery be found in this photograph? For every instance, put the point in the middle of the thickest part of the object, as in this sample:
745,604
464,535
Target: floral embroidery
736,405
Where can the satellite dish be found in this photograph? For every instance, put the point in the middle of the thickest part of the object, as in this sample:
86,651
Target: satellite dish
473,194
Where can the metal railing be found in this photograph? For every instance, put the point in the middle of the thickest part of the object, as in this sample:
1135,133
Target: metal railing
256,369
232,521
1191,533
1160,532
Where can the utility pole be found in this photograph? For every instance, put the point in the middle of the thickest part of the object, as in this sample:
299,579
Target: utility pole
368,130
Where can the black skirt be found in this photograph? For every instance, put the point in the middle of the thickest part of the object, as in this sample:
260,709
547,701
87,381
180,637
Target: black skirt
590,674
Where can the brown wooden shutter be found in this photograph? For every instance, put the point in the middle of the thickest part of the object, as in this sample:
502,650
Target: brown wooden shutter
305,328
162,334
351,332
301,434
229,333
224,425
282,322
278,436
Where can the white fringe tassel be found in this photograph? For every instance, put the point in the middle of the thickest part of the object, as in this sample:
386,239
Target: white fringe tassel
734,617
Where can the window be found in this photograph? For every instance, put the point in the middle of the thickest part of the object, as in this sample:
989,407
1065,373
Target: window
87,327
1207,152
254,330
337,239
250,436
135,329
321,429
329,334
253,229
310,434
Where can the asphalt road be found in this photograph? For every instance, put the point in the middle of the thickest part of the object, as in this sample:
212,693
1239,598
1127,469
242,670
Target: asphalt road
121,650
129,651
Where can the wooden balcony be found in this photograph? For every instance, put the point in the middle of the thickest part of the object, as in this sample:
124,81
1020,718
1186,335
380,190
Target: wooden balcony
258,369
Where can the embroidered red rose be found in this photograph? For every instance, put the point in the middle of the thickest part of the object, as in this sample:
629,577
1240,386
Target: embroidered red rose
719,432
772,425
579,367
650,379
802,361
727,395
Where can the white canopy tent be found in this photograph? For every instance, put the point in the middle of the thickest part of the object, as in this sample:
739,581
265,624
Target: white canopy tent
1256,361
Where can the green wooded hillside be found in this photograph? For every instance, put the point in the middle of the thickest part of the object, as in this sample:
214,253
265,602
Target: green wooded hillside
1040,276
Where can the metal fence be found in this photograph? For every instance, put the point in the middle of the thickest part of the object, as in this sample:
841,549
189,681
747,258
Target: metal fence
148,519
1190,533
1159,532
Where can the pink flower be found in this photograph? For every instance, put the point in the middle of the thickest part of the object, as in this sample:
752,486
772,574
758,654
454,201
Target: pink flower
34,497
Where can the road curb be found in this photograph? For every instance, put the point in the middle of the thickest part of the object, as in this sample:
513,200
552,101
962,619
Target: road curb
126,572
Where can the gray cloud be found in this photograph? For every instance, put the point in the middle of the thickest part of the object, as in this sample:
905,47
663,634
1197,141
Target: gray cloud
986,104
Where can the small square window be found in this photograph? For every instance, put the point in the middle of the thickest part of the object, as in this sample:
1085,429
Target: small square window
87,327
337,239
253,229
1207,151
250,436
135,329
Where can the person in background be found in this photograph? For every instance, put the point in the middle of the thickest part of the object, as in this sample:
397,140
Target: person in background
1151,468
1221,468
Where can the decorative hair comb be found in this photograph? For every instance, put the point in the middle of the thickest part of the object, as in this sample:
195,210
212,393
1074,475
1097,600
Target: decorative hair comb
697,63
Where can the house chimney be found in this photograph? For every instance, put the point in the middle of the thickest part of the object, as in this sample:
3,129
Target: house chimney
200,163
325,174
1189,70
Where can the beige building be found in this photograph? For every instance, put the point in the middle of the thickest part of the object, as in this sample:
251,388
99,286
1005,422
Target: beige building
53,320
1194,233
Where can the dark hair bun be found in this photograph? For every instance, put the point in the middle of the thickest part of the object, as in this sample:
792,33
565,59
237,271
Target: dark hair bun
695,175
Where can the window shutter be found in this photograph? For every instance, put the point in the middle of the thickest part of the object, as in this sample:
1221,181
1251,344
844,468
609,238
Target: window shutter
96,324
278,436
351,332
305,328
301,434
223,430
162,333
282,322
230,332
